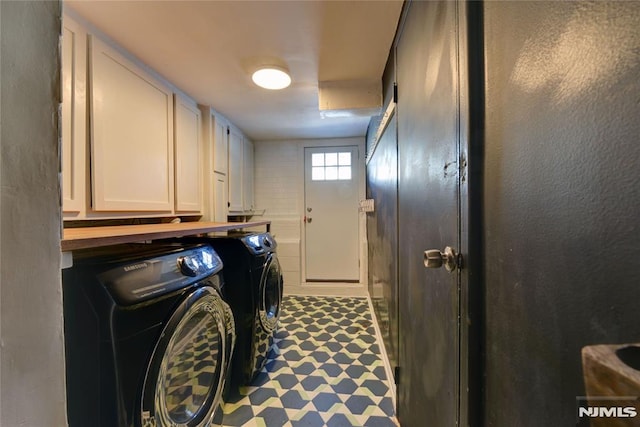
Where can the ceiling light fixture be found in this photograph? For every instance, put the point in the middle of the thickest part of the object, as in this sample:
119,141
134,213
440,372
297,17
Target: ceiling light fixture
271,77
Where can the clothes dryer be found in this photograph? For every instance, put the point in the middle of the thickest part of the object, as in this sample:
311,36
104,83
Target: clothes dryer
148,336
254,290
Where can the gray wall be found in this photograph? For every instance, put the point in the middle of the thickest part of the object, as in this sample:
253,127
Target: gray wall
382,223
562,200
382,238
31,331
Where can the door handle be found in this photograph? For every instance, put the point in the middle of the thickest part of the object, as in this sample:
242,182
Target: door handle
306,219
433,258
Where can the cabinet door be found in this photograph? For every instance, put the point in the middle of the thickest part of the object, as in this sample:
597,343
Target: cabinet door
188,158
247,175
220,146
235,171
220,198
74,76
131,135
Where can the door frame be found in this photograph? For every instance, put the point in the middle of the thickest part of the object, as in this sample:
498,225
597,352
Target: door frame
471,146
355,289
340,229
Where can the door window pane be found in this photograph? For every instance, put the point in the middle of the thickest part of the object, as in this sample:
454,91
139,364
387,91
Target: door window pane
344,172
331,173
331,159
344,159
317,159
317,173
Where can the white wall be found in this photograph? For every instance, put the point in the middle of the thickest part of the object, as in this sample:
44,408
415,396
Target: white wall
32,390
279,190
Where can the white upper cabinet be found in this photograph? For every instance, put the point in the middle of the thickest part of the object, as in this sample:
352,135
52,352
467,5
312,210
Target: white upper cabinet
220,145
74,77
240,173
131,135
188,155
130,148
216,135
247,176
236,166
221,209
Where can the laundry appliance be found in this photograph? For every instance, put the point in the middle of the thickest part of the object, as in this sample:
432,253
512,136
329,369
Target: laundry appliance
254,291
148,336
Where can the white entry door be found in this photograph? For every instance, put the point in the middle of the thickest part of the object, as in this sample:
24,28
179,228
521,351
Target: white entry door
331,214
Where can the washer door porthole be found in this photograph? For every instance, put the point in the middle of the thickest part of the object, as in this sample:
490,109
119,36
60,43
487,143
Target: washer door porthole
189,380
270,294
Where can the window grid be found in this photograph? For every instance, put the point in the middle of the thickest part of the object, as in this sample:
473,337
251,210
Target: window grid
335,166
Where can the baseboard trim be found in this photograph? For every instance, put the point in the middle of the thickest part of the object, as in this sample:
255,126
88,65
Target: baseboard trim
385,358
328,289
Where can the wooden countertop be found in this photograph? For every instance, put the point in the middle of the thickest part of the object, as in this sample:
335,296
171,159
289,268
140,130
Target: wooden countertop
92,237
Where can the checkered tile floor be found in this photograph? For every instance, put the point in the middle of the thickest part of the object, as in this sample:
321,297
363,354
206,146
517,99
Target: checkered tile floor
324,369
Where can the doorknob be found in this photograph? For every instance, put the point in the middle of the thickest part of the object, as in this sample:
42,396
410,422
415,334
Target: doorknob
433,258
306,219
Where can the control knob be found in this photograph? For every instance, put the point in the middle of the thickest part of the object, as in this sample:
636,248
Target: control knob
188,266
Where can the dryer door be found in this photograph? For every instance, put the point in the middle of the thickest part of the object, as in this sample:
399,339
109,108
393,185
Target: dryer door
270,293
185,378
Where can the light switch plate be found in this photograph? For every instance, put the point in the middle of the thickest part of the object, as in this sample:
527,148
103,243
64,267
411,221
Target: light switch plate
366,205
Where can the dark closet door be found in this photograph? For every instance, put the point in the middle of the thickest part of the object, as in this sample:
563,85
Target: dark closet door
429,211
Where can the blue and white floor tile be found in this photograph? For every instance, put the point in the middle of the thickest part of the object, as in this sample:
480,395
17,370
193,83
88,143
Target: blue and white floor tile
324,369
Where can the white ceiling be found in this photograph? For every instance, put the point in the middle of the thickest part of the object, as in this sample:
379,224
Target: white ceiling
209,49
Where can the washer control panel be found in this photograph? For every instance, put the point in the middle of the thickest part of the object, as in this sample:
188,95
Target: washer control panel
137,281
260,243
198,262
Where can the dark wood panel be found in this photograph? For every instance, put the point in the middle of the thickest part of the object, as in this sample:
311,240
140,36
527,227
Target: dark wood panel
428,179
